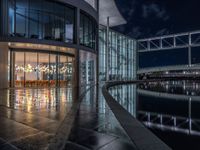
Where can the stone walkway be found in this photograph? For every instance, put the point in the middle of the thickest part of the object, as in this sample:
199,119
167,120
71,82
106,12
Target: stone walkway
30,118
96,128
42,118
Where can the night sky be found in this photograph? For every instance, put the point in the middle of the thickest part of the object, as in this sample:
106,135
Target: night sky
149,18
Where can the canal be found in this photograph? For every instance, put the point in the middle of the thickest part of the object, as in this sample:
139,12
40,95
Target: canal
170,109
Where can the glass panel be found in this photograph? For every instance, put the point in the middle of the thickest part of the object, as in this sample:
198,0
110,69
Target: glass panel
43,70
34,19
19,69
122,56
59,22
11,17
70,62
87,69
31,72
41,19
69,25
48,20
53,70
21,18
87,31
63,71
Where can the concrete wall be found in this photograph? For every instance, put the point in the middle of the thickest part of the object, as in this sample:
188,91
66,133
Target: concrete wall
3,65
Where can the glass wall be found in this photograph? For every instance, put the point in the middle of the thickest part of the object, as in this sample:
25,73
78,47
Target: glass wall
41,69
88,29
121,56
41,19
87,69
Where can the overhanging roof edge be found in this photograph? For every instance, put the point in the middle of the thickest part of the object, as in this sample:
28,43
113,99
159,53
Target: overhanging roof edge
108,8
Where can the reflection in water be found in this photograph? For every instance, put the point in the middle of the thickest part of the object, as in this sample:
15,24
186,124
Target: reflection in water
170,109
125,95
174,87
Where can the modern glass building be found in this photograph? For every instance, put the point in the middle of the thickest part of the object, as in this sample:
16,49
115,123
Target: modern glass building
117,61
54,43
44,43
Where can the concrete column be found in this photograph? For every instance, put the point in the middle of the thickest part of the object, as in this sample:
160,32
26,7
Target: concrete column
4,64
107,49
97,47
12,69
4,17
77,55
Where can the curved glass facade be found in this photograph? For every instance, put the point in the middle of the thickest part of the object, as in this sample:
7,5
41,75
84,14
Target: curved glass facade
88,28
41,19
118,62
40,69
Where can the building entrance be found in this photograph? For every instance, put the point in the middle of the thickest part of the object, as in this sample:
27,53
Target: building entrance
39,69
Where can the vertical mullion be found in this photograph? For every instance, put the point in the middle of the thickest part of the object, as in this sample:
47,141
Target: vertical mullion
37,69
24,69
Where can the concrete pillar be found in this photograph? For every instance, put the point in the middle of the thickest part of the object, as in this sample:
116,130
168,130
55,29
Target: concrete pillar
4,64
107,49
77,55
4,17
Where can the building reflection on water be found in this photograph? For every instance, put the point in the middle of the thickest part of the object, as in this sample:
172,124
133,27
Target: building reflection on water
170,109
126,96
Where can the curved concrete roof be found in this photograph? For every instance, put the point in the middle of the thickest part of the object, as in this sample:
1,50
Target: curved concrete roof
108,8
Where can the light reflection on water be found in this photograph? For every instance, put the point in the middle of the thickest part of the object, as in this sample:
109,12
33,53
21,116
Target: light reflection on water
166,108
173,87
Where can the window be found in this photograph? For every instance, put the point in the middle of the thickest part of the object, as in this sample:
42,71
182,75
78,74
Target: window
41,19
34,69
87,31
21,14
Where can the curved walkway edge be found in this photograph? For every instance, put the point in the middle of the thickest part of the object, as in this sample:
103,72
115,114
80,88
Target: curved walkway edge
143,138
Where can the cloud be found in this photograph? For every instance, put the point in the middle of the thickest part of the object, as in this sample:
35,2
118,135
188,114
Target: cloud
154,10
164,31
128,8
136,32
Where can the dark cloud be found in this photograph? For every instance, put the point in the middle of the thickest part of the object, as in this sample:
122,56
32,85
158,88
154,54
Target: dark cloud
150,10
136,31
147,18
161,32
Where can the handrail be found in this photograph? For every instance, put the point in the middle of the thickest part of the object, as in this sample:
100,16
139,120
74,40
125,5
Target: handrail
143,138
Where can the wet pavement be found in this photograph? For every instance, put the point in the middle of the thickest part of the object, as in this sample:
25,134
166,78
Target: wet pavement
95,127
34,118
30,117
